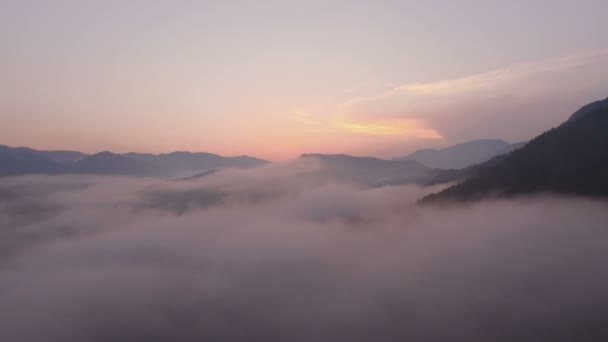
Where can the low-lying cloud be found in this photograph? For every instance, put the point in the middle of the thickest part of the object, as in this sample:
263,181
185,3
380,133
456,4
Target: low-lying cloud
268,255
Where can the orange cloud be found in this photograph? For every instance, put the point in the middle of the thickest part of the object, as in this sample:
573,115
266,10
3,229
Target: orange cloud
405,128
399,128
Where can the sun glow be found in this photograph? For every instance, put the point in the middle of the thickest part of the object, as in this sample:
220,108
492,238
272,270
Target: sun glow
403,128
394,127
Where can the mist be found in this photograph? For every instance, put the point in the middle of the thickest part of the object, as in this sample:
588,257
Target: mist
272,255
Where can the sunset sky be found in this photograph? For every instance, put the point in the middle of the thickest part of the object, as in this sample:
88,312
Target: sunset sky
275,79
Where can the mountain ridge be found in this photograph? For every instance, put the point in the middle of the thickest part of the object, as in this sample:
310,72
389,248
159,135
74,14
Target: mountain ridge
462,155
15,161
376,172
570,159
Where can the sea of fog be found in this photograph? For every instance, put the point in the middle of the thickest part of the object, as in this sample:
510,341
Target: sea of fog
270,255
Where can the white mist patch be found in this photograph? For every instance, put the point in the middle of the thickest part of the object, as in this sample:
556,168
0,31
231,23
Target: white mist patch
268,255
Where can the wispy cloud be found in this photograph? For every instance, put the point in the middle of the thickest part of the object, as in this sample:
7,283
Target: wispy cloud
393,127
484,81
514,102
483,101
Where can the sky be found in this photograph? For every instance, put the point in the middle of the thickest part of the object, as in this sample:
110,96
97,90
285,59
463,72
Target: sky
275,79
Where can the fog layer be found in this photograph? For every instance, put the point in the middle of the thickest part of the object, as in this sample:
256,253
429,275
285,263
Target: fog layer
269,255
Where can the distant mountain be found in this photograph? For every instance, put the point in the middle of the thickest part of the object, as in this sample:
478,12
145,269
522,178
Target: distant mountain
64,157
22,161
61,157
107,163
462,155
570,159
374,172
593,107
187,163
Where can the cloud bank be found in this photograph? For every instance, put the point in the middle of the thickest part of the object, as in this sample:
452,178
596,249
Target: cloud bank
268,255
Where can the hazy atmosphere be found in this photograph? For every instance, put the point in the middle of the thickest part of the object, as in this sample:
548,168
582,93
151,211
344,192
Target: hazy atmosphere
264,256
303,171
276,79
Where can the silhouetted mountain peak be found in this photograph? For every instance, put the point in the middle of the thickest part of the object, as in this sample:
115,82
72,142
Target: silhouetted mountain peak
24,160
461,155
594,107
570,159
108,163
105,154
183,163
189,154
372,171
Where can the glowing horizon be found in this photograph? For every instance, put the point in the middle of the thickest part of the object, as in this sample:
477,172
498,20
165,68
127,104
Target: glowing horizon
274,80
